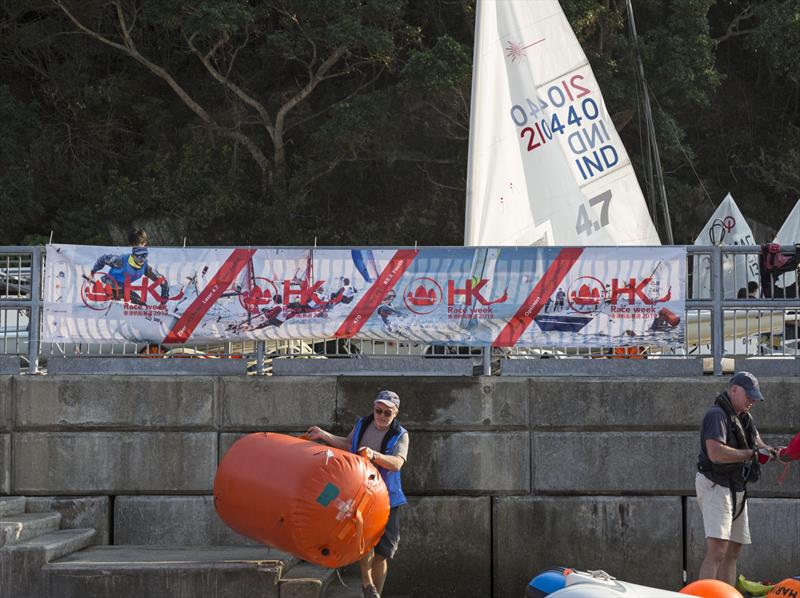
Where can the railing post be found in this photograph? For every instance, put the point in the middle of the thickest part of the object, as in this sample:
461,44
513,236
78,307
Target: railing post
34,327
487,360
260,357
717,315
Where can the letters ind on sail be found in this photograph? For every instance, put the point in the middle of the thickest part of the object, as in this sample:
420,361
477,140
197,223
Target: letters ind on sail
546,165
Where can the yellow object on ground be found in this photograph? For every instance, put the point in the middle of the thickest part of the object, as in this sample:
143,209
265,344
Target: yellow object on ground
753,588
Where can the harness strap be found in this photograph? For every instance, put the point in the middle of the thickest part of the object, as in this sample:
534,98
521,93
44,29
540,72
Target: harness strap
733,499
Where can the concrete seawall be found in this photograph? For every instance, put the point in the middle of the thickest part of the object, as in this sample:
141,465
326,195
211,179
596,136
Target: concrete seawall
506,476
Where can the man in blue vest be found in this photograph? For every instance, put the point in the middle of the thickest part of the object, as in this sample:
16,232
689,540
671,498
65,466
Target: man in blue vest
728,460
385,443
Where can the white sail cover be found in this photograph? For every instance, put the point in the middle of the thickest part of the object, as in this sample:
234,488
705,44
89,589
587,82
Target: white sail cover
546,165
789,235
726,226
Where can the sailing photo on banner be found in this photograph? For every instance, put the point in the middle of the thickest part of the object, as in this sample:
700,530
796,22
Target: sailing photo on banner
531,296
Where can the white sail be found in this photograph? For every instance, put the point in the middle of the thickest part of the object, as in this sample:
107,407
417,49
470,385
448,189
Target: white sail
789,235
546,165
726,226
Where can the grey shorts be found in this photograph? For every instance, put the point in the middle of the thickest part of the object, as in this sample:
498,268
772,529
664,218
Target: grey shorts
387,545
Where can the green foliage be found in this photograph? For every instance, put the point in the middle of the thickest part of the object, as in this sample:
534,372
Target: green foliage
373,149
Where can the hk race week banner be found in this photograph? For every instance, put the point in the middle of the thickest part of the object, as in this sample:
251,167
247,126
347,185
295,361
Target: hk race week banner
531,296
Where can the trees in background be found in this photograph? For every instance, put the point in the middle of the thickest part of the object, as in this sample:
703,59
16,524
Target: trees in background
346,121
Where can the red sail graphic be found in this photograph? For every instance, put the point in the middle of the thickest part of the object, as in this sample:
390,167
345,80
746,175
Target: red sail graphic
193,315
531,307
375,294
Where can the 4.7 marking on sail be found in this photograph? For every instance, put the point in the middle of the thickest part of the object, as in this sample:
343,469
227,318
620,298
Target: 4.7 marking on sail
585,225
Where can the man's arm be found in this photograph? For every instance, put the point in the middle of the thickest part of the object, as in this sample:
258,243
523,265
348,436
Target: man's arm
319,435
722,453
393,462
388,462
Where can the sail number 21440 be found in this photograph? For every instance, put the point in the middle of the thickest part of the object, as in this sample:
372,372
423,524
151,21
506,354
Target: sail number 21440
543,130
539,127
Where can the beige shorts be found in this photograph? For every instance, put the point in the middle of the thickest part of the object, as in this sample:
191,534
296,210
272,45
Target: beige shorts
716,506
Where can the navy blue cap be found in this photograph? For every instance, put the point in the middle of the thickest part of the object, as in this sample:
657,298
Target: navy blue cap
749,384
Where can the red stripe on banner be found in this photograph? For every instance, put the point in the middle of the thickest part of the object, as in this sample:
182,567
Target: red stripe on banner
375,294
227,273
531,307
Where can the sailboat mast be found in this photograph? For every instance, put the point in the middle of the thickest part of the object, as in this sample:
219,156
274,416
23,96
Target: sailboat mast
651,132
470,230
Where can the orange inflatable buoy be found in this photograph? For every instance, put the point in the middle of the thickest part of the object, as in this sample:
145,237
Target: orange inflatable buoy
711,588
788,588
321,504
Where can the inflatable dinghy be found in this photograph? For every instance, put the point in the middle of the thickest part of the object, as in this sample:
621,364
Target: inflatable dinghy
562,582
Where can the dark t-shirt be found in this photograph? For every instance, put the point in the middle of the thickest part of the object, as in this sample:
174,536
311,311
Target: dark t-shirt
713,428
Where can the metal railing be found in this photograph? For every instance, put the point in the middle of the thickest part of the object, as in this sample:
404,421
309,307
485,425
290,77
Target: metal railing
20,303
719,324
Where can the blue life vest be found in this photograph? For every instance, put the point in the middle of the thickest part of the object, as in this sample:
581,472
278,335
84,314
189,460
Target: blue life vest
390,478
127,270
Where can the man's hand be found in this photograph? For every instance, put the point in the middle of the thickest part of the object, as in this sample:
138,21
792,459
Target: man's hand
316,434
366,452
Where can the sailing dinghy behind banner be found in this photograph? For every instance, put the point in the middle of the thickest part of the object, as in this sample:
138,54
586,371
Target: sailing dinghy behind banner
726,226
789,235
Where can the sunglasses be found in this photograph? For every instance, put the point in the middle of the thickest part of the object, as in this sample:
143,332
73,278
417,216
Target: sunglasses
384,412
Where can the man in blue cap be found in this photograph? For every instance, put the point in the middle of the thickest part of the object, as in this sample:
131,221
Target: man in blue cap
729,444
382,440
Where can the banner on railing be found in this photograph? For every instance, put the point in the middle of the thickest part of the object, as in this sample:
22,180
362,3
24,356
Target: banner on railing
531,296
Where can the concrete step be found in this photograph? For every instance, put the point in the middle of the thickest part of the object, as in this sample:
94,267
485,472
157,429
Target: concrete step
348,587
59,543
12,505
306,580
21,527
199,572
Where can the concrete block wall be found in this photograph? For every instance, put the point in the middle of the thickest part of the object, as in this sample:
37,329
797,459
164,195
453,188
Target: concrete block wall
775,531
134,517
6,421
507,476
621,535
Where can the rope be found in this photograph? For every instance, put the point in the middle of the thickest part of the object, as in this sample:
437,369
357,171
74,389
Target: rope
685,154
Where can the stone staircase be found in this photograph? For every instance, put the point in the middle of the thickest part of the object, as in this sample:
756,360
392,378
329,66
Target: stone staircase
38,559
28,541
196,571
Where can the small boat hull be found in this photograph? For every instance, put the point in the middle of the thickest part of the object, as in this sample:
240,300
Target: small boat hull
562,323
